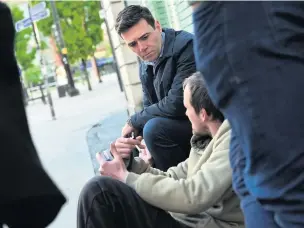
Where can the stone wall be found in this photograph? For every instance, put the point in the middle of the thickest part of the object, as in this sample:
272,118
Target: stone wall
126,59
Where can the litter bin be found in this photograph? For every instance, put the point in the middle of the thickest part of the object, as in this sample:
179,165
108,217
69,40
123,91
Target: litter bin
61,90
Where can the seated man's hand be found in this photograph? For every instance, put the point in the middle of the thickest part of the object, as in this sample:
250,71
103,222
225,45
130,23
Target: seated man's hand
115,168
124,146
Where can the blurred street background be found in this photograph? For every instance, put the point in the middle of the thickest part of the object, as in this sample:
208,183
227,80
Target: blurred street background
62,145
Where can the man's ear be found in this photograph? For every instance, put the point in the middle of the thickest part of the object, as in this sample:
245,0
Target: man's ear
158,26
203,115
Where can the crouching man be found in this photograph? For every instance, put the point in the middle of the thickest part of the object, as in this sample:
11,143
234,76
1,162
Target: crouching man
196,193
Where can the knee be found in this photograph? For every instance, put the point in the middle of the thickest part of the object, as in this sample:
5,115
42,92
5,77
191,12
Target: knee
94,187
153,129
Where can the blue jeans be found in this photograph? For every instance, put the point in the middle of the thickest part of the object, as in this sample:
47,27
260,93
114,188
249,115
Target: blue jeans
255,214
168,141
252,57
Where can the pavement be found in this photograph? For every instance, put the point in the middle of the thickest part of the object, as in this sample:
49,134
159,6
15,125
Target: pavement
62,143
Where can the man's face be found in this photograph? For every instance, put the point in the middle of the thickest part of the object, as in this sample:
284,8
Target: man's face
199,126
144,40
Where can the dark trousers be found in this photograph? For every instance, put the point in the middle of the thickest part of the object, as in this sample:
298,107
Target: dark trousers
168,141
252,59
106,203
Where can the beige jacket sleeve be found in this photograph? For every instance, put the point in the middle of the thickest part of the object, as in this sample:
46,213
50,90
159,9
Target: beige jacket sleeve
192,195
177,172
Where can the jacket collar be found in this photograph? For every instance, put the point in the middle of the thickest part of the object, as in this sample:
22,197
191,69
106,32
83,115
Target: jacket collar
200,142
169,42
163,36
168,47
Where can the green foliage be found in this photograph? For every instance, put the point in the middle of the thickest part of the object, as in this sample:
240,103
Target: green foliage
43,45
33,75
94,22
45,25
108,51
80,23
24,54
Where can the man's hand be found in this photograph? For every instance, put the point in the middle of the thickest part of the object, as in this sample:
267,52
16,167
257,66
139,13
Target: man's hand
145,155
124,146
115,168
127,130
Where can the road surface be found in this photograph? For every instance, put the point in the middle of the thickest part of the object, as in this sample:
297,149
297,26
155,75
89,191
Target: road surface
61,144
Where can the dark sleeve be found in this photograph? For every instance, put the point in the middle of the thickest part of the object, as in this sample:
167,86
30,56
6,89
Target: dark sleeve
25,186
146,101
172,105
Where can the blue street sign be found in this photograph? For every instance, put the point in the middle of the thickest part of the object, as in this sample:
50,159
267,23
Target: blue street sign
38,7
41,15
23,24
27,22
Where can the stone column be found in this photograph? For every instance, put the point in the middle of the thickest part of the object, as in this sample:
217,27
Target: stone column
126,59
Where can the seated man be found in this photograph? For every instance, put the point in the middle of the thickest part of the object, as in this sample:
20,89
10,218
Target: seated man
166,60
196,193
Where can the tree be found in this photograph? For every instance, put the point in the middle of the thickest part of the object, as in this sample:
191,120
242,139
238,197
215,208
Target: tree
80,23
33,75
25,55
93,22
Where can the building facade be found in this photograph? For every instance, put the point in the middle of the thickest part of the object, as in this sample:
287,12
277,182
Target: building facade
175,14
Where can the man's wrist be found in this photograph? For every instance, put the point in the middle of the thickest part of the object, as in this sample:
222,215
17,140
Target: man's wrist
124,176
129,122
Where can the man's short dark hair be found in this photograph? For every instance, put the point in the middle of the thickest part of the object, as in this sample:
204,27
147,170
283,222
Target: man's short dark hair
200,98
130,16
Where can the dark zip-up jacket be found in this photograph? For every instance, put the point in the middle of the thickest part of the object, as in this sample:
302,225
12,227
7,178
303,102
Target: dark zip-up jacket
163,83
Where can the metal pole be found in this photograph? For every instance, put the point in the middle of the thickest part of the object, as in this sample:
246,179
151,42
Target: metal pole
43,66
113,52
72,91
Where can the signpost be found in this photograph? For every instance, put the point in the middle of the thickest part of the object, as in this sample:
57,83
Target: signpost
37,13
37,8
27,22
41,15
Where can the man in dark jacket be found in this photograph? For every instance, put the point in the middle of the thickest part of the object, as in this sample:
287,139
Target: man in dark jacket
251,56
167,58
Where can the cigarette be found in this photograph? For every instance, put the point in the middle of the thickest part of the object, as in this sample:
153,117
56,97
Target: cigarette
137,147
133,137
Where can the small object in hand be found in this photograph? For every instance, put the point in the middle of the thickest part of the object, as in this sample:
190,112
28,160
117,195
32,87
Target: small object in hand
137,147
107,156
133,137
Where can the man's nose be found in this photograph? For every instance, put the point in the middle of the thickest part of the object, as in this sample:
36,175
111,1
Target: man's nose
142,47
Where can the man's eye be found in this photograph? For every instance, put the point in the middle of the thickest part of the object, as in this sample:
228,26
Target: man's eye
133,44
144,37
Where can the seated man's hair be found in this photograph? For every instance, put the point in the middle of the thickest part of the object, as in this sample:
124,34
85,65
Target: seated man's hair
200,98
130,16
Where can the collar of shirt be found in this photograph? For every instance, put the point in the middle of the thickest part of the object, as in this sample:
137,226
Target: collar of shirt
161,51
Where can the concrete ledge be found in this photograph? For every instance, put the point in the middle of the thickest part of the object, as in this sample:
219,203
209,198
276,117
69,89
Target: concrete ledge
103,133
